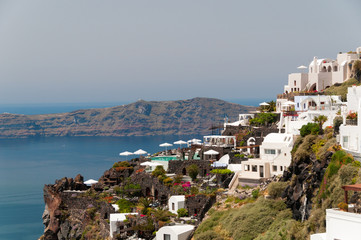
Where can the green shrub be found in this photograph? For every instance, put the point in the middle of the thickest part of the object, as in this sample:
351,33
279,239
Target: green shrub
193,171
182,212
310,128
255,193
158,171
221,171
263,119
275,189
125,206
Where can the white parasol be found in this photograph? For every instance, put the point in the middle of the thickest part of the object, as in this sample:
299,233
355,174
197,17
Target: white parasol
90,182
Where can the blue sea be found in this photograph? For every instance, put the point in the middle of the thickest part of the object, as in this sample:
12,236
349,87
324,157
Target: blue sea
27,164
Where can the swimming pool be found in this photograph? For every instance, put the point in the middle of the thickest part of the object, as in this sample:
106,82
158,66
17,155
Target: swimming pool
164,158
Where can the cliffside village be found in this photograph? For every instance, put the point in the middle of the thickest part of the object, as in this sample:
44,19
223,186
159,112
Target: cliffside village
245,153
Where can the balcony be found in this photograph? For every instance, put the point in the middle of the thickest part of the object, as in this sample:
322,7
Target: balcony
351,122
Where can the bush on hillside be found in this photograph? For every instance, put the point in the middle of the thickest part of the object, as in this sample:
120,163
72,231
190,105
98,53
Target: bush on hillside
342,89
310,128
263,119
182,212
275,189
193,171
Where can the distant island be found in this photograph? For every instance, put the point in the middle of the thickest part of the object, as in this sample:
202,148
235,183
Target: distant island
141,118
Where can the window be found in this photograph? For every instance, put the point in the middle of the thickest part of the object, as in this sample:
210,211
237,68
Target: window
166,236
246,167
274,168
281,168
294,82
270,151
173,207
345,141
254,168
279,151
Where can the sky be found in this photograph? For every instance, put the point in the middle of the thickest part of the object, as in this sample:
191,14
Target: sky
121,51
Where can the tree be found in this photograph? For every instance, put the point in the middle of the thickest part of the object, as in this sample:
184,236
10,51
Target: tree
320,120
144,205
193,171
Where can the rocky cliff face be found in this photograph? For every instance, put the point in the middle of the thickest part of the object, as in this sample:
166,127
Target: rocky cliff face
137,119
69,214
306,173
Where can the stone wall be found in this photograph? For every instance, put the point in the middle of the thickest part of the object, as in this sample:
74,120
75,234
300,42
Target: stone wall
180,166
198,205
151,187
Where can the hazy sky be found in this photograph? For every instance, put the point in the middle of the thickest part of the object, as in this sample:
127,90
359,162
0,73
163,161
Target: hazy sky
106,51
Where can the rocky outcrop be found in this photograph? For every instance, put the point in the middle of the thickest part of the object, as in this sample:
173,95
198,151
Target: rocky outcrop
141,118
70,215
305,175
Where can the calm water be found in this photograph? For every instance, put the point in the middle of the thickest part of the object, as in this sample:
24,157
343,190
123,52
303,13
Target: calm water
27,164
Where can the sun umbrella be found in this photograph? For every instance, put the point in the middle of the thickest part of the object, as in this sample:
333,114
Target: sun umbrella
180,142
126,154
194,140
288,103
264,104
146,164
165,145
140,152
90,182
211,152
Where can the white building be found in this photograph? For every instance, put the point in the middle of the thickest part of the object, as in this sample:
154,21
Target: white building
114,219
323,73
219,141
175,232
243,120
306,108
350,130
340,225
275,157
176,202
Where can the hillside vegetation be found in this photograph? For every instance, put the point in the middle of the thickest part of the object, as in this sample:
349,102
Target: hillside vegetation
341,89
142,118
318,170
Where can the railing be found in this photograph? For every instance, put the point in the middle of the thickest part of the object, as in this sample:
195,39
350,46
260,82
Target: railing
290,113
290,96
352,122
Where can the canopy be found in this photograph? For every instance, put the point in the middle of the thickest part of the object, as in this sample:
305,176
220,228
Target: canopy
180,142
194,140
165,145
126,153
288,103
211,152
90,182
140,152
264,104
151,164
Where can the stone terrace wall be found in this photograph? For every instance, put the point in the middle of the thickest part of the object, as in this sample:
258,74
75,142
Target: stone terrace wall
199,205
180,166
151,186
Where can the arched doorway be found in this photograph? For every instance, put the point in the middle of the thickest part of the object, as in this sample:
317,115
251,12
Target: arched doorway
184,171
313,87
147,192
156,194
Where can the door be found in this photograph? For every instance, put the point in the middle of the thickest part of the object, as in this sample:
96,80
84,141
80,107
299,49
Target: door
261,171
